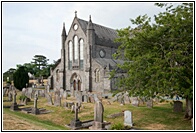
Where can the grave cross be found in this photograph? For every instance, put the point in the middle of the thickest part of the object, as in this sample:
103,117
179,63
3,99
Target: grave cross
76,111
35,101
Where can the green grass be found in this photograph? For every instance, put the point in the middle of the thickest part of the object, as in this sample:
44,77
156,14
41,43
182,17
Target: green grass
33,119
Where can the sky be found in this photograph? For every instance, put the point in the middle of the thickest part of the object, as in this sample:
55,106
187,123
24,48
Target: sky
34,28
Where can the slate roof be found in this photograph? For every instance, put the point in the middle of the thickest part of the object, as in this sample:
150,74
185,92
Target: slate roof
103,35
109,63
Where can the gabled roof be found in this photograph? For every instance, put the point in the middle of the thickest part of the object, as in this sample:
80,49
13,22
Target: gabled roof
103,35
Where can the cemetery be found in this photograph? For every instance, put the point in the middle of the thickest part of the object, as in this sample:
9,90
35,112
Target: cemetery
58,110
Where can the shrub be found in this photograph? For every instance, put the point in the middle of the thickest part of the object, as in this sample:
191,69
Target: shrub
118,126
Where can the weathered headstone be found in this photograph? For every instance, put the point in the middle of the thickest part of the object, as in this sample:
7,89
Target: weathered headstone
79,96
128,119
126,98
57,100
149,103
14,105
65,95
61,92
49,98
178,106
135,101
98,117
35,110
85,98
10,98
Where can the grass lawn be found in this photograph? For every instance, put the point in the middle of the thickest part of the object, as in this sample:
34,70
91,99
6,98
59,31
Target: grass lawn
160,117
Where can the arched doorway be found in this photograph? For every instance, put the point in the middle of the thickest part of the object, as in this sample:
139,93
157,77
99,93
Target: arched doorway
75,83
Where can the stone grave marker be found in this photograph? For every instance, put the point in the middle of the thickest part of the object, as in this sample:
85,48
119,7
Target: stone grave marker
75,123
14,105
57,100
128,119
98,117
35,110
61,91
49,98
10,98
178,106
65,95
126,98
149,103
135,101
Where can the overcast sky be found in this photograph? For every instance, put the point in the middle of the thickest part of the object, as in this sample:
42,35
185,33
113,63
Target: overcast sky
35,27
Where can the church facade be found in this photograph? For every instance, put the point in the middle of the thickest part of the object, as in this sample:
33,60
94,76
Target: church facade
86,58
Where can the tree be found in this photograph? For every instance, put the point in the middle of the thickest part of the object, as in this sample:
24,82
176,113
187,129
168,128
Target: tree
9,74
159,56
21,78
40,63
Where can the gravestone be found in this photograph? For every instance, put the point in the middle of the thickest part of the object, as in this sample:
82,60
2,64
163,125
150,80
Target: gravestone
135,101
85,98
76,122
35,110
48,88
79,96
178,106
23,91
4,91
149,103
49,98
126,98
14,105
98,117
61,92
65,95
10,98
128,119
57,100
29,92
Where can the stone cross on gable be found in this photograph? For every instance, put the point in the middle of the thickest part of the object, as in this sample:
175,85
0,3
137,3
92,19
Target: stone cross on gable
75,13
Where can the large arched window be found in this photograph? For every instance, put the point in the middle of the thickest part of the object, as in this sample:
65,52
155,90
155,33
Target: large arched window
70,45
75,48
81,52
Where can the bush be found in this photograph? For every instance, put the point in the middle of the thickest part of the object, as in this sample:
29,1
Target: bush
22,97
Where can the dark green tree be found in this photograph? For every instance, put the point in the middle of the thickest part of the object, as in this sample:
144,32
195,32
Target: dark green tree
21,78
9,74
159,56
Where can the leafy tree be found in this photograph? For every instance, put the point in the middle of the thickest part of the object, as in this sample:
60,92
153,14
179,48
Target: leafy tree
21,78
159,56
9,74
40,62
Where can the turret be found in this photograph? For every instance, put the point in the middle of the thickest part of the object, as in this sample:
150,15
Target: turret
63,36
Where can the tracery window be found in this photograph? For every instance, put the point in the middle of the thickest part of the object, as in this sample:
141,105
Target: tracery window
81,53
97,75
75,48
70,45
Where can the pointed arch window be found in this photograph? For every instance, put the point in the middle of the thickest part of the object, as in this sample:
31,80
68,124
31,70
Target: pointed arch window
81,53
97,75
75,48
70,45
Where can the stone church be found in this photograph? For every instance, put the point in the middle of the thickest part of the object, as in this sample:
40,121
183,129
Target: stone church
86,58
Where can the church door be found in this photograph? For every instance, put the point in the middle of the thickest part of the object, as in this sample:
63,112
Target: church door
79,85
74,85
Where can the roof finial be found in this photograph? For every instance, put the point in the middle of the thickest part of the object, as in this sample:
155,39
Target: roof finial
63,24
90,18
76,14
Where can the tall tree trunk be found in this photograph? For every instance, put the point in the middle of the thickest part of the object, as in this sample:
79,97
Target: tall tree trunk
189,108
